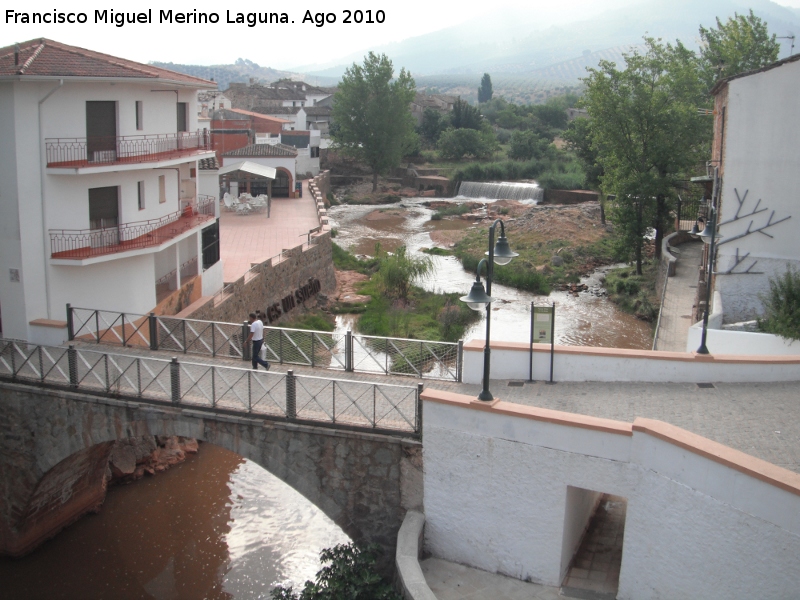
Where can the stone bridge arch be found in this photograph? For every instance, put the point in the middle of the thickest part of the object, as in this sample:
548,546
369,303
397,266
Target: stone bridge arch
51,438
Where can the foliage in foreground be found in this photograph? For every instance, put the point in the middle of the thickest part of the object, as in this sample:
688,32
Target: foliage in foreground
782,306
635,294
349,573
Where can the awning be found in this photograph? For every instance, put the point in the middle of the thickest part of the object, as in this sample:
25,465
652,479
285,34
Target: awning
249,167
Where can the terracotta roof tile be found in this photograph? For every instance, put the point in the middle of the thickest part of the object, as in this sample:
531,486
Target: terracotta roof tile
47,58
263,150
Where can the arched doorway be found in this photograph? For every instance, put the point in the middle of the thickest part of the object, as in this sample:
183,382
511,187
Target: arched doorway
283,184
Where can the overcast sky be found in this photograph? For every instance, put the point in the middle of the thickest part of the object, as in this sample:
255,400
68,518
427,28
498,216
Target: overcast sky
278,46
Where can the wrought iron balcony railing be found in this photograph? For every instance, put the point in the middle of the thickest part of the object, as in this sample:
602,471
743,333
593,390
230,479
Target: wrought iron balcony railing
85,243
97,151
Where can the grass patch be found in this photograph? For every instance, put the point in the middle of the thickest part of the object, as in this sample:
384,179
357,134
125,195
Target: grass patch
635,294
452,211
346,261
436,251
314,321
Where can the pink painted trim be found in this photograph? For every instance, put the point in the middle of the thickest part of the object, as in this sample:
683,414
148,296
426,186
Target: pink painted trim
477,346
48,323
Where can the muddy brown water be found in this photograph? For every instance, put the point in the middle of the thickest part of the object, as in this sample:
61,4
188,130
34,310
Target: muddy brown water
583,320
215,527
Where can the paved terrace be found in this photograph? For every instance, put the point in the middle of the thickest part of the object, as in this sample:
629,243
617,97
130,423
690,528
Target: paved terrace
761,419
678,306
246,240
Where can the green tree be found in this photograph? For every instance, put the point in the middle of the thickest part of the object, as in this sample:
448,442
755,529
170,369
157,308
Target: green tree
647,133
458,143
349,573
397,272
485,91
433,123
578,136
373,116
740,44
782,305
526,145
465,116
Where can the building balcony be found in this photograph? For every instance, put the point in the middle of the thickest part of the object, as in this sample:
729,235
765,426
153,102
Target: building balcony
77,153
81,244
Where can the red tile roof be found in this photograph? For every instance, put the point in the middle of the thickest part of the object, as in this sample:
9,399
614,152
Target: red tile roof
47,58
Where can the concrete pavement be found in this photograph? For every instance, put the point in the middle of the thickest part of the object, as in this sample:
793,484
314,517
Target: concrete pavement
678,306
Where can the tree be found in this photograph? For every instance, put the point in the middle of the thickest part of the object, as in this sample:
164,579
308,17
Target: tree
433,123
397,272
485,91
578,136
351,574
526,145
647,133
458,143
465,116
373,115
740,44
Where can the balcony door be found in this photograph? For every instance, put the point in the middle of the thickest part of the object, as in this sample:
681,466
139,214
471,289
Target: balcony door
101,131
104,216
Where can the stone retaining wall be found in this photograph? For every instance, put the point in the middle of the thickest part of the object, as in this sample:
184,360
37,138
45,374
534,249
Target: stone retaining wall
272,280
319,188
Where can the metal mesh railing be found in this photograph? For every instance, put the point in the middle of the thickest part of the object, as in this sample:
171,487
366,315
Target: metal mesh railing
355,404
321,349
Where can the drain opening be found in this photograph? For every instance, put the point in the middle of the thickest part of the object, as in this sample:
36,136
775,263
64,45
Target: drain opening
705,385
516,383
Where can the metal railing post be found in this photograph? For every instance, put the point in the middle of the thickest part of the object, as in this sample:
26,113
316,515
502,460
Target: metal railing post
124,341
291,395
419,408
139,377
70,324
41,363
175,380
97,324
213,340
333,398
184,335
312,350
280,346
108,378
245,345
460,361
153,325
72,360
348,351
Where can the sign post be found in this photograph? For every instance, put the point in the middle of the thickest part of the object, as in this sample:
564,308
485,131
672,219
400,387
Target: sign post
542,331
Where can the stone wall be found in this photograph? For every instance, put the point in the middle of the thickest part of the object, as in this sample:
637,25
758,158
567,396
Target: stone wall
273,280
668,261
570,196
363,482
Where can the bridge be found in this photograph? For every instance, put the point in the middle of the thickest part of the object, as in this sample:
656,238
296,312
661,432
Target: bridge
350,447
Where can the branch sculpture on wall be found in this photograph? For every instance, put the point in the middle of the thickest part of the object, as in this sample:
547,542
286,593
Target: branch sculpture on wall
738,261
739,217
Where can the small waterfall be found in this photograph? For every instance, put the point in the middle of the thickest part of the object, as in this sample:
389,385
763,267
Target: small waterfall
501,191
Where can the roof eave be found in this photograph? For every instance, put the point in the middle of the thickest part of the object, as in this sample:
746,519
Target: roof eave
148,80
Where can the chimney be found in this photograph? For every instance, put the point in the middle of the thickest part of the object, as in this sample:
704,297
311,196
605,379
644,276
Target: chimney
16,55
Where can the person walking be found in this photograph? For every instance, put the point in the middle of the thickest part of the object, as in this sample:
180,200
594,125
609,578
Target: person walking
257,337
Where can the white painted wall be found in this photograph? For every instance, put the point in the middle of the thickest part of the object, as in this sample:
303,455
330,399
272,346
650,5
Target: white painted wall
306,164
597,364
496,498
208,183
760,157
212,279
579,508
741,342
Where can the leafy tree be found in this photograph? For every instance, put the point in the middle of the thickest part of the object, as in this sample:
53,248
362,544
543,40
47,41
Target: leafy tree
458,143
351,575
465,116
526,145
396,273
372,114
647,133
578,136
782,306
740,44
433,124
552,114
485,91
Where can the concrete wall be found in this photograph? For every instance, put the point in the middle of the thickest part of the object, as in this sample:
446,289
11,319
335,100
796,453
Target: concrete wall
762,126
275,280
578,511
509,360
703,520
363,482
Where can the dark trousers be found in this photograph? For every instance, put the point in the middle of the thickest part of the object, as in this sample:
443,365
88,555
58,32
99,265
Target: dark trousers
256,355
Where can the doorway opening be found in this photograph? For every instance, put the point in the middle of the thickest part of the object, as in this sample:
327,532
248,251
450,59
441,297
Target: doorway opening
591,555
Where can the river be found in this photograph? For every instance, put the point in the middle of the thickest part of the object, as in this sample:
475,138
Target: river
215,527
583,320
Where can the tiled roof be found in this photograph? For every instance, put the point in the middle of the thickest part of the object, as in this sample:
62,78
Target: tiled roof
278,110
256,115
209,164
47,58
224,114
262,92
317,111
263,150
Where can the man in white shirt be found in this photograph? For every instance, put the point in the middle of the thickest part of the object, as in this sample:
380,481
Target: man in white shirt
257,337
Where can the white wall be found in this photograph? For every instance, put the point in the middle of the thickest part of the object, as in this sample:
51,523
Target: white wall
741,342
760,157
208,183
212,279
572,363
496,498
579,508
306,164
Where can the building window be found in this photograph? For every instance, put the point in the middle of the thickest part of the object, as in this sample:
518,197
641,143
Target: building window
192,172
314,151
182,117
139,116
162,189
140,192
210,242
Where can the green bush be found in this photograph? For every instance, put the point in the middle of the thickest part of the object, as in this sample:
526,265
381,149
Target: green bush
458,143
526,145
345,261
782,306
513,275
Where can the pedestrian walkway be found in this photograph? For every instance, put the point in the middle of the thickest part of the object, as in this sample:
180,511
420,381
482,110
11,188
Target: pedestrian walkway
249,239
678,306
451,581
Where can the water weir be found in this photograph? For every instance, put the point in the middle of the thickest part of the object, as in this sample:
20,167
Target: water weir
501,190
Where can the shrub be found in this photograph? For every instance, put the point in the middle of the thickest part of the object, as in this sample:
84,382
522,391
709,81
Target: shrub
526,145
458,143
396,272
782,305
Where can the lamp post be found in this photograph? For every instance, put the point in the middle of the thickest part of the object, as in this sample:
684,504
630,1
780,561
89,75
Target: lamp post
478,299
709,237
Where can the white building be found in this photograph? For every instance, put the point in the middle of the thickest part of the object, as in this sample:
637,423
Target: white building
280,157
757,128
99,205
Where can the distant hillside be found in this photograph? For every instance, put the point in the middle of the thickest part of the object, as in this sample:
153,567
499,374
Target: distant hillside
242,71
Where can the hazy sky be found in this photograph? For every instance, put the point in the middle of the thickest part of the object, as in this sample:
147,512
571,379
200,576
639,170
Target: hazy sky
281,46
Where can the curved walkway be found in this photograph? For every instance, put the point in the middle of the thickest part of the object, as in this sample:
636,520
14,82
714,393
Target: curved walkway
678,306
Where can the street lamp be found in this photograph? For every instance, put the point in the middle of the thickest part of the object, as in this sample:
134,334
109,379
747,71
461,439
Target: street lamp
709,237
478,299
